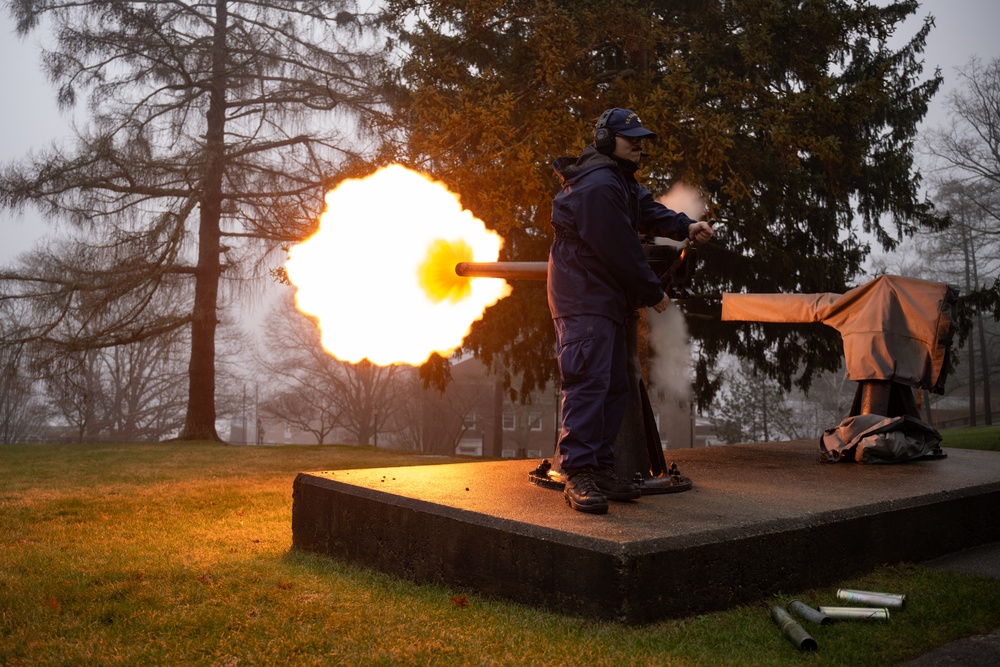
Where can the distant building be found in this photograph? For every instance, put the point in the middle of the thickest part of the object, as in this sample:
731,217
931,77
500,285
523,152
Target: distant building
475,417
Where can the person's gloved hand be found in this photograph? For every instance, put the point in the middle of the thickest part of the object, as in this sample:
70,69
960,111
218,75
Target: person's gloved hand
700,231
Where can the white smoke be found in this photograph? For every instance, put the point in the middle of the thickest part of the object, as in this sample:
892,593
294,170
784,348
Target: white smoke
670,354
669,343
685,199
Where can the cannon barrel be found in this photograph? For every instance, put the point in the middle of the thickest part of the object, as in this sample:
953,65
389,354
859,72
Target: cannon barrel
506,270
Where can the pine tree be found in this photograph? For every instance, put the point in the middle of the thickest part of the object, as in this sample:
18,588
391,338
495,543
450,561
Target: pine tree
796,119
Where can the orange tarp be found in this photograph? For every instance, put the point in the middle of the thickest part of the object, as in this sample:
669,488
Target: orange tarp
893,328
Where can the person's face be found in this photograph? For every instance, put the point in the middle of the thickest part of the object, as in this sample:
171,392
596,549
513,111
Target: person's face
628,148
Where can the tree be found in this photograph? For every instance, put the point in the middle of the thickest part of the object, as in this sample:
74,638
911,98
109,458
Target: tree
967,152
125,393
124,389
21,413
796,119
830,399
968,256
449,416
408,426
302,410
978,258
318,392
299,376
72,384
144,388
752,408
213,130
968,148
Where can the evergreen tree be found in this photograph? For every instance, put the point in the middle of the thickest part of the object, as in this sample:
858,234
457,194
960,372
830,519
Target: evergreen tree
796,120
752,408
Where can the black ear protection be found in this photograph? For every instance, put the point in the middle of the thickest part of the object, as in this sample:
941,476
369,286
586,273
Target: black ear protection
604,139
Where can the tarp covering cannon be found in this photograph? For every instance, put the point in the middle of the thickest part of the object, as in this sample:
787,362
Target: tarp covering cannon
897,334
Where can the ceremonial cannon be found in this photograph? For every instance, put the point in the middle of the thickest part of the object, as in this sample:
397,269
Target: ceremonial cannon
897,333
638,451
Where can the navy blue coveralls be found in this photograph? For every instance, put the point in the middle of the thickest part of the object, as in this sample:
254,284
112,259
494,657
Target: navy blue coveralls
597,276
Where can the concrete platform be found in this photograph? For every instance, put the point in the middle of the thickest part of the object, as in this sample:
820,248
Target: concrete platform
760,519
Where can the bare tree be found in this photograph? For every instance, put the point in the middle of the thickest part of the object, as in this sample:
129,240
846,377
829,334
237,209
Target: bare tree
213,128
967,255
145,388
73,388
124,388
408,426
448,415
21,412
125,393
966,153
296,408
317,392
826,404
968,148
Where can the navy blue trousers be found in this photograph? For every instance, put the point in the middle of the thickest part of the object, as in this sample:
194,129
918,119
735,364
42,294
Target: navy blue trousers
593,369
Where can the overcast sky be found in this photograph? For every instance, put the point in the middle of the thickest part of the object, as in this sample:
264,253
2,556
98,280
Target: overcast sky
29,118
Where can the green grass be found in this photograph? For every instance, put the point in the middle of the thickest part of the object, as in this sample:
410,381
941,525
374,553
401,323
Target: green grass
179,554
972,437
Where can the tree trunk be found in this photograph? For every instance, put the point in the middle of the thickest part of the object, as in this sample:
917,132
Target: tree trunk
984,351
984,356
764,398
967,252
497,448
200,421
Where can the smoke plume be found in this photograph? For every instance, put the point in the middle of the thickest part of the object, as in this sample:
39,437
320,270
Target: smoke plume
670,354
685,199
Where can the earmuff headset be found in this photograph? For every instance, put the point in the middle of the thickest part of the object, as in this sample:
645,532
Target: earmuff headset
604,139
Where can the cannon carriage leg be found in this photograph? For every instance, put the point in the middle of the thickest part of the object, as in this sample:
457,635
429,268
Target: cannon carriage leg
884,397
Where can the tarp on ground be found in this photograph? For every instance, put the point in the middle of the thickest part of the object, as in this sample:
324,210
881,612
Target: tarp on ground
873,438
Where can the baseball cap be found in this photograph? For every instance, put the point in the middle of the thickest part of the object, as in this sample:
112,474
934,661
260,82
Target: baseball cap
626,123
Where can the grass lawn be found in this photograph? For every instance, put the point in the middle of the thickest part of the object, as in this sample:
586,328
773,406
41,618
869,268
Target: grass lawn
179,554
972,437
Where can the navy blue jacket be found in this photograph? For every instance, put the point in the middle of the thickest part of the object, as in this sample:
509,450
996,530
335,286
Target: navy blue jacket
596,262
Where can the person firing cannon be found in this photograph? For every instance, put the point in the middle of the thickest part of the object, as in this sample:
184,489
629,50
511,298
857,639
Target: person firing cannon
598,275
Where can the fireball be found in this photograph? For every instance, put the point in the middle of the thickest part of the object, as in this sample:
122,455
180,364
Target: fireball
379,274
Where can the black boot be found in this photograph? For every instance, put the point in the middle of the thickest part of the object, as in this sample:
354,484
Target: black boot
614,487
581,492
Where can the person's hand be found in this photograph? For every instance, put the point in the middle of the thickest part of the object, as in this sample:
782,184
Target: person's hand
662,305
700,231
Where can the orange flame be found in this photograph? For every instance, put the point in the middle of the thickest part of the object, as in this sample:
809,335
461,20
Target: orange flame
379,274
